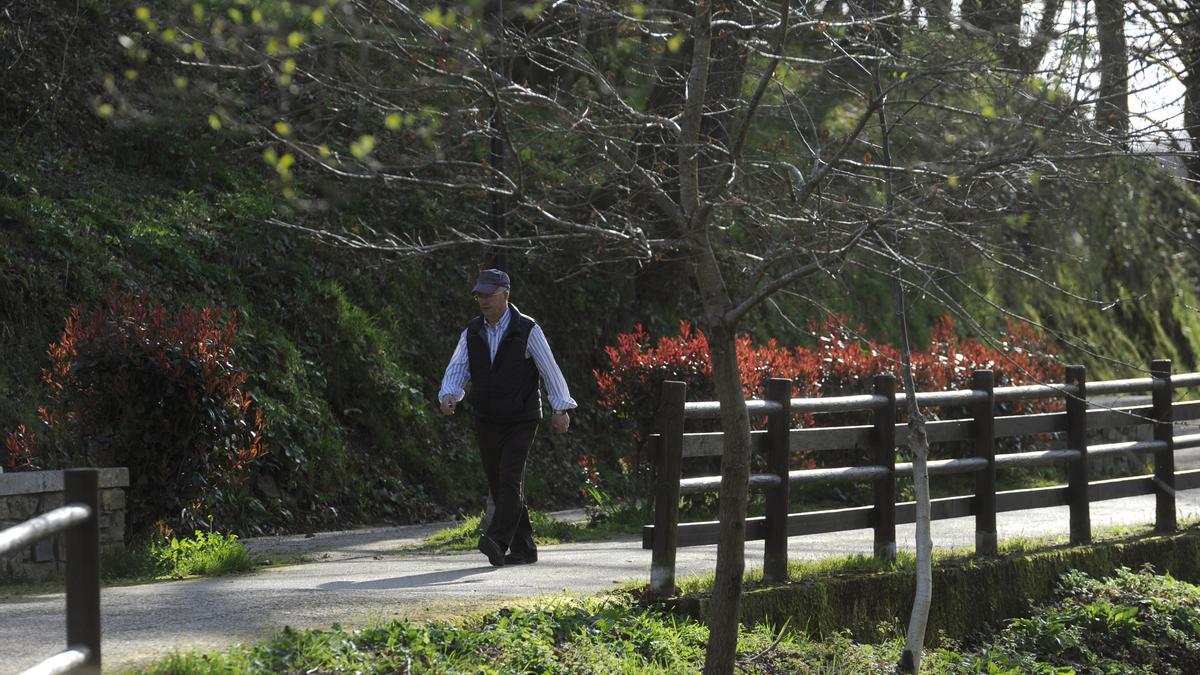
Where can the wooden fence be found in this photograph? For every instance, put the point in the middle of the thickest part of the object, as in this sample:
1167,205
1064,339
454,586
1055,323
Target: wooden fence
80,520
880,439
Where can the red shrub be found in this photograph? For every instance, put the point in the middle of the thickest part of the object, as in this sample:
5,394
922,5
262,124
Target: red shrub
134,385
20,445
842,363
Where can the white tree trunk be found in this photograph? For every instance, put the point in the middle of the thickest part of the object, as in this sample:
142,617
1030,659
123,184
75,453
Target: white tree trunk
923,597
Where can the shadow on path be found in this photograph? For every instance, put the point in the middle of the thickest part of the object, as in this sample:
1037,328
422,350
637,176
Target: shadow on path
424,580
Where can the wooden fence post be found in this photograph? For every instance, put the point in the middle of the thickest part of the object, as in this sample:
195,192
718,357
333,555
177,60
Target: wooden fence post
666,497
884,441
984,432
1077,471
775,554
82,486
1164,460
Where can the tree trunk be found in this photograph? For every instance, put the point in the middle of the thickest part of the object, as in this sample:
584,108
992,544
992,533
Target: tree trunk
993,15
918,443
1191,92
1112,105
1001,18
1032,55
937,12
735,477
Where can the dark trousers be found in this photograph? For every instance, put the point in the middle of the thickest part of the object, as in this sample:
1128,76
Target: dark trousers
503,448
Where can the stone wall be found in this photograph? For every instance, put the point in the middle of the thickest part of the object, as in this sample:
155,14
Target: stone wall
26,494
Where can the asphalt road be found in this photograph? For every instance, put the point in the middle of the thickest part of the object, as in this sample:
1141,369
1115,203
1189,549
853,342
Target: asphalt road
360,576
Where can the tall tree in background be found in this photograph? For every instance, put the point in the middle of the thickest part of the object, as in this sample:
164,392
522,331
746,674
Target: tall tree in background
1176,27
1112,101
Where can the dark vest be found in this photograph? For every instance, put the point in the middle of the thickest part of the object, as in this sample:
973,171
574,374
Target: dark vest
504,390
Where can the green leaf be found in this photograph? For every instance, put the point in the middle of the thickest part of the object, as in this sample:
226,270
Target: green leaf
434,17
363,146
284,165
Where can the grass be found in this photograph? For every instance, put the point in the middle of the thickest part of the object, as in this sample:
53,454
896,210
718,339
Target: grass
906,561
546,531
204,554
1131,622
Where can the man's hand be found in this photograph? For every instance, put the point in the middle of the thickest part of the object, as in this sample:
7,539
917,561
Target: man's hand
448,405
561,421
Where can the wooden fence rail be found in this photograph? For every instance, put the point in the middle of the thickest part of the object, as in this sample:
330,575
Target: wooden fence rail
879,439
79,519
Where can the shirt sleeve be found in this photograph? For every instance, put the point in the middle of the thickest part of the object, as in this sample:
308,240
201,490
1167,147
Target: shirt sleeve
457,371
556,384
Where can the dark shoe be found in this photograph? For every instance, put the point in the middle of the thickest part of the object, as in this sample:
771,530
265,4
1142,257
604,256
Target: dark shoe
520,559
491,548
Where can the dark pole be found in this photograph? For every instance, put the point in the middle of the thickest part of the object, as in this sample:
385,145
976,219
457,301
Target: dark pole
985,448
82,486
666,500
775,554
1164,460
1077,471
884,489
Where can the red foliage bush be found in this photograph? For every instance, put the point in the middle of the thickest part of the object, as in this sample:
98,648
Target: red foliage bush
841,364
134,385
20,445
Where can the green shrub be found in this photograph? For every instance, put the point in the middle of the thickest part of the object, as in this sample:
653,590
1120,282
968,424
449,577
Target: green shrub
1136,619
204,554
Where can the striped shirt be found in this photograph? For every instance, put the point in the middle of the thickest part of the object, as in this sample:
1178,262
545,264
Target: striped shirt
458,371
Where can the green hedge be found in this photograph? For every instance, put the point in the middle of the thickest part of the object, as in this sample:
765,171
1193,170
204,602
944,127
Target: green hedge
969,596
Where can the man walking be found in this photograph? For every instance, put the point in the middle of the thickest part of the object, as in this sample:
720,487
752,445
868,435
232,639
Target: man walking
502,352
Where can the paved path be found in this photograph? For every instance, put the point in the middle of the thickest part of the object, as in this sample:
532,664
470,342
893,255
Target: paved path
359,576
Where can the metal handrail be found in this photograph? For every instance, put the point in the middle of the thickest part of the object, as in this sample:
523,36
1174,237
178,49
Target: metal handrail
79,519
46,525
67,661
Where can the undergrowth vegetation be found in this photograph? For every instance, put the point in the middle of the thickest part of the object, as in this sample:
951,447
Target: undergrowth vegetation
205,553
320,343
1129,623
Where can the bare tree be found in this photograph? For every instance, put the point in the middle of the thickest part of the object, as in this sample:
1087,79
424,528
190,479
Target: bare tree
762,147
910,661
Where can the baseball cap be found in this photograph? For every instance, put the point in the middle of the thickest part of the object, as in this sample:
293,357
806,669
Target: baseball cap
490,281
